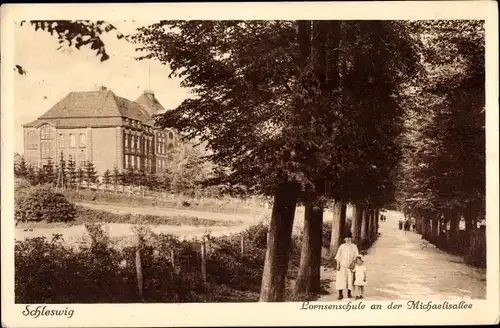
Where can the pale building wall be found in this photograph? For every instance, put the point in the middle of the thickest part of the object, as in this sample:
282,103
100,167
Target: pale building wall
72,143
104,149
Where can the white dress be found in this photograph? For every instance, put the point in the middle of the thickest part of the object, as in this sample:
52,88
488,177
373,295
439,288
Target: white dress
360,275
346,255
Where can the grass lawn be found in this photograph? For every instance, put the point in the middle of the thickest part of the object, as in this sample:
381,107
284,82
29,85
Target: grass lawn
224,205
85,215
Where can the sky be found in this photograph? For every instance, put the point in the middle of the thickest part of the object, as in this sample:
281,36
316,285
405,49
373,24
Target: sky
52,73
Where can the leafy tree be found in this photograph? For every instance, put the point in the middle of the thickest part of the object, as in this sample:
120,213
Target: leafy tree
186,169
75,33
261,108
443,174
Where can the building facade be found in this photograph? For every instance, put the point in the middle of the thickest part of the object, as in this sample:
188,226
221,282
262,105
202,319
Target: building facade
101,127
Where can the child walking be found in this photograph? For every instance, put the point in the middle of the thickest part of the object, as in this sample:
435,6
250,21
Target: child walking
359,277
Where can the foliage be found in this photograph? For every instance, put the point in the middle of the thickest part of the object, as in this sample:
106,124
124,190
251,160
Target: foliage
98,273
41,203
20,168
75,33
117,177
186,169
80,176
106,178
90,173
287,123
444,163
71,173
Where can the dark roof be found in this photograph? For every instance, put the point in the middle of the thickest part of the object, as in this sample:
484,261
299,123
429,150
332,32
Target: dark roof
149,102
95,104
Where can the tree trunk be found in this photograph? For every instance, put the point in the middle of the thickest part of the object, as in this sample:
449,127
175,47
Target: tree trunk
375,229
356,224
338,226
308,279
453,233
425,228
371,223
434,230
278,244
364,228
470,225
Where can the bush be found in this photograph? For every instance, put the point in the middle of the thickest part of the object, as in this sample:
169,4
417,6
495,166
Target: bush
41,203
51,272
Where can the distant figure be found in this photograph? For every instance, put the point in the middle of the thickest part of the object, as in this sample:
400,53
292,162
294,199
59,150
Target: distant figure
346,259
360,277
407,225
400,224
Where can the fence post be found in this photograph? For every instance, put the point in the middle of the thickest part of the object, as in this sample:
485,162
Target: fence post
242,245
203,261
138,266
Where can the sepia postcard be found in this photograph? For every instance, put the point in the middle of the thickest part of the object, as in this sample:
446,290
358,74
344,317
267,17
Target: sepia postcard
249,164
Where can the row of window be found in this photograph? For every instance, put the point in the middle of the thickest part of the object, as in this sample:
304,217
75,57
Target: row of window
162,164
136,142
162,147
161,135
70,141
46,149
65,141
134,162
80,161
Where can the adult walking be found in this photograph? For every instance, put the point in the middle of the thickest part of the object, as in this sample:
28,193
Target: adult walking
346,261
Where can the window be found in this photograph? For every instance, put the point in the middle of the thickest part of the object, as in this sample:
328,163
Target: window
83,140
126,140
82,159
72,141
46,133
32,140
46,147
61,140
171,135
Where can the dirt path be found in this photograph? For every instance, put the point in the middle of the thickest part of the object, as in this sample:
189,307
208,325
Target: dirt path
399,269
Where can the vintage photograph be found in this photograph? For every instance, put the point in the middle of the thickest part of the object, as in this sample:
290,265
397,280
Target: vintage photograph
237,161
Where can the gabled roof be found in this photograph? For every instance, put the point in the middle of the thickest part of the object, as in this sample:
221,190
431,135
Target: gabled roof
149,102
95,104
